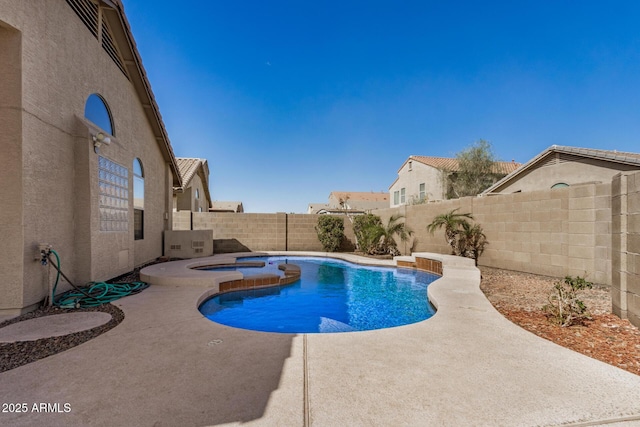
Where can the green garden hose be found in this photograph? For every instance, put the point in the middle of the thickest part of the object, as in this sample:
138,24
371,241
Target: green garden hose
94,294
99,293
53,291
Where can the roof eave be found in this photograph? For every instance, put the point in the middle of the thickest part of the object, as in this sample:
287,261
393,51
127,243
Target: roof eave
133,63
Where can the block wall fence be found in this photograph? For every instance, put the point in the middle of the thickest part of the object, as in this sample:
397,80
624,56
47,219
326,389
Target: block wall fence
234,232
591,230
625,280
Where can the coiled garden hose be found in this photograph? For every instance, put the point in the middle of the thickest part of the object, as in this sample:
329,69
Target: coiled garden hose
94,294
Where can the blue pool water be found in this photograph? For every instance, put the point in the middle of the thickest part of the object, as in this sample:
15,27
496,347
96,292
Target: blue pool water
331,296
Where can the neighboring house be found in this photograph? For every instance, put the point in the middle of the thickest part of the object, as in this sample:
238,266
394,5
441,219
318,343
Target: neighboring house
86,163
193,195
351,202
220,206
559,166
425,178
314,208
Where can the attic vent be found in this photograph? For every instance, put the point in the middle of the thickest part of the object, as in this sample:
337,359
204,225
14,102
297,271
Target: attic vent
549,162
90,15
109,46
176,247
564,158
87,11
197,244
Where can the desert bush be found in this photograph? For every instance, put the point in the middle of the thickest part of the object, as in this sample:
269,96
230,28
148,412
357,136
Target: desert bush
564,307
364,227
376,239
330,231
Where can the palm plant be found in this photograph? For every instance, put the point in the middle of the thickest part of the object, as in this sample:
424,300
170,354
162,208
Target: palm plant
452,222
471,241
386,241
377,239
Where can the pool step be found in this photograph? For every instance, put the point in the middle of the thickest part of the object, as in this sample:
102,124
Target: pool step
291,275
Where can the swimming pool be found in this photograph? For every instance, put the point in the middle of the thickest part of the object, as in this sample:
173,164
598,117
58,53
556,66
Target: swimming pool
331,296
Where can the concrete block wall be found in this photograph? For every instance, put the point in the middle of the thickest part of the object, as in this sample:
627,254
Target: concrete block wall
556,232
233,232
247,231
625,264
565,231
301,233
181,220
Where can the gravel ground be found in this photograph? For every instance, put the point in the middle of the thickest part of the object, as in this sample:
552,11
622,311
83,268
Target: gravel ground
13,355
521,296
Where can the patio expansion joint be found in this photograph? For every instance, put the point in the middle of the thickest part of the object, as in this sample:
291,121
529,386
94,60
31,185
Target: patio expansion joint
305,382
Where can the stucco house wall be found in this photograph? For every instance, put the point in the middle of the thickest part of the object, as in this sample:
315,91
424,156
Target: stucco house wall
566,166
193,195
50,63
410,176
193,198
577,171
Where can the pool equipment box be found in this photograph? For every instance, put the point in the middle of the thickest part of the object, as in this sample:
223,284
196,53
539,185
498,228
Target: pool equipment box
188,243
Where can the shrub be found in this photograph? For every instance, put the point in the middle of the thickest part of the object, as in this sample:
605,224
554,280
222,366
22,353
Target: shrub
330,231
564,306
364,227
464,238
375,239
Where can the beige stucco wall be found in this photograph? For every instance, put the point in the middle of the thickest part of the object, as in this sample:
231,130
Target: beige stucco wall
11,223
411,176
188,200
61,64
571,172
625,287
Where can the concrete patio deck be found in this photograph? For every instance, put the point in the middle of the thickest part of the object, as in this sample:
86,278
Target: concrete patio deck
167,365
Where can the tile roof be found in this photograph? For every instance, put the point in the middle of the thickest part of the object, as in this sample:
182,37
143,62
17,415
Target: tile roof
188,168
368,196
450,164
611,155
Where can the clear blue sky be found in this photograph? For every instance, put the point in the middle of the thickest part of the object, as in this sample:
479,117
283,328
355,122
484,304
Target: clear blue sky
290,100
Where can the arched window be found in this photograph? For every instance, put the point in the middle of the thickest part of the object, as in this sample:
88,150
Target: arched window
138,200
96,111
559,185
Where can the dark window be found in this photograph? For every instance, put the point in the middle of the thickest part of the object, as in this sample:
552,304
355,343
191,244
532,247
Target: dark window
138,200
96,111
138,224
